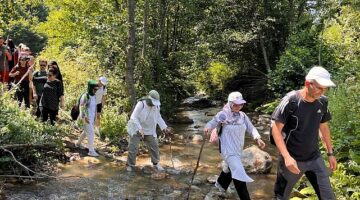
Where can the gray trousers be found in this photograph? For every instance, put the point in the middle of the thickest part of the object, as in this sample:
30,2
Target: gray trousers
152,145
315,171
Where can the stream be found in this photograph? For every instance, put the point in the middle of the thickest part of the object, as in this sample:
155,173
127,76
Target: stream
101,178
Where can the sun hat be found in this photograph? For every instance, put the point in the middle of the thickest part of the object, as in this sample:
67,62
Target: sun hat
321,76
103,80
236,98
155,97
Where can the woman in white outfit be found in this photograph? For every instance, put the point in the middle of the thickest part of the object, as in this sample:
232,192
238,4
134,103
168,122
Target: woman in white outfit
233,124
87,116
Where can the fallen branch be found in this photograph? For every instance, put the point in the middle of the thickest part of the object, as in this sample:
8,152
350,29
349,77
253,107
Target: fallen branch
42,175
34,146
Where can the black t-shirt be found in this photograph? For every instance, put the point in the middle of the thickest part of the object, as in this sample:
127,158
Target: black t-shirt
52,92
301,121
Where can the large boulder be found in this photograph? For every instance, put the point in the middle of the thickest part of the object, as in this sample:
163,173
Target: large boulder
256,161
197,102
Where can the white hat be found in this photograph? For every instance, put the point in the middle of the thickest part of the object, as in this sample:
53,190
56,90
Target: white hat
321,76
155,97
236,98
103,80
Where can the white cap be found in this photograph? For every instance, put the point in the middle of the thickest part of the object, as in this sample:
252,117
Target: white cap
236,98
321,76
155,97
103,80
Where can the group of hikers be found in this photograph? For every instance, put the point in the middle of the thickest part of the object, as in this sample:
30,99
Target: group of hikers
297,123
45,86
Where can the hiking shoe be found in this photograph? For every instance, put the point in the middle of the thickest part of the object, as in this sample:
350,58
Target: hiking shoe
93,154
79,145
129,169
158,167
218,186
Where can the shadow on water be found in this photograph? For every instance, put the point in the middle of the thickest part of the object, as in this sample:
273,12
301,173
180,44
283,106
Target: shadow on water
104,179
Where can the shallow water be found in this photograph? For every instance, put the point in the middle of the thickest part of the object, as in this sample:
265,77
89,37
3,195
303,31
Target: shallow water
104,179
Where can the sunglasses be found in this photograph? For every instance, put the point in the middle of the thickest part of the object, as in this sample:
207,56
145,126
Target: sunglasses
42,65
50,75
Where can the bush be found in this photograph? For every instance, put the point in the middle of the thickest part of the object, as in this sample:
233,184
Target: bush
20,127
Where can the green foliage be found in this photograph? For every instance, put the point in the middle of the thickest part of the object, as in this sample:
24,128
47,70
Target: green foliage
268,107
113,124
214,80
18,126
301,54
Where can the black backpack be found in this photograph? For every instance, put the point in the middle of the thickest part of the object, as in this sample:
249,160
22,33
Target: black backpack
293,106
75,110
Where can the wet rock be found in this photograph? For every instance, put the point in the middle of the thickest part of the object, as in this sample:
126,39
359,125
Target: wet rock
74,157
197,102
209,114
195,188
167,189
198,181
256,161
173,171
148,169
159,176
212,179
174,195
197,138
180,120
266,132
260,128
179,137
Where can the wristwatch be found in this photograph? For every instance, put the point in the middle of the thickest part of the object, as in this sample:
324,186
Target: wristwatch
330,153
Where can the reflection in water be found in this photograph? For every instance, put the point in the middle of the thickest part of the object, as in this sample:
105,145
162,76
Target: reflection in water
104,179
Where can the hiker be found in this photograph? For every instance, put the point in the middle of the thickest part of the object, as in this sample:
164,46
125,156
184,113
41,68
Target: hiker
142,125
100,101
5,57
233,123
53,64
39,80
86,119
22,74
296,135
52,97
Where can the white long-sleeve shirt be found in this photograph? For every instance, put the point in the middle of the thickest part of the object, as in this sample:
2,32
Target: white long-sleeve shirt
147,117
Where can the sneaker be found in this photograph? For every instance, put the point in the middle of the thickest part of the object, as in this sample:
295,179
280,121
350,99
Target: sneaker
129,169
93,154
77,145
158,167
221,189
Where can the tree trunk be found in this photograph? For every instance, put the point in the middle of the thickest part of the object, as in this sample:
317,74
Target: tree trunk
131,52
263,48
145,27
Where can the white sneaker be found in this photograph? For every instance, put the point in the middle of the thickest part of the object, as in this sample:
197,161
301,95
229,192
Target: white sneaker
221,189
93,154
79,145
158,167
129,169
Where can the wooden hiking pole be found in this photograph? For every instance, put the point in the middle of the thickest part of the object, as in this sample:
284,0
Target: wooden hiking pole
196,167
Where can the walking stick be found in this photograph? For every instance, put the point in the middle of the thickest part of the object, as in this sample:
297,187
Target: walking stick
197,165
171,154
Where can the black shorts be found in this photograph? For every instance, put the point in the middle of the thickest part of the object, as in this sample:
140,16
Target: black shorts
99,107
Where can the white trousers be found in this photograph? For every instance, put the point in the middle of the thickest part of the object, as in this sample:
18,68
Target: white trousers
89,132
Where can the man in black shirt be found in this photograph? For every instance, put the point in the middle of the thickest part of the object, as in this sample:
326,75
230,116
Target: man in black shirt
297,121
